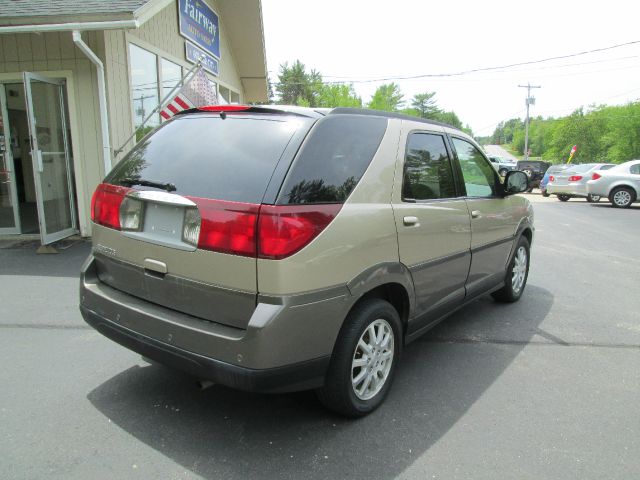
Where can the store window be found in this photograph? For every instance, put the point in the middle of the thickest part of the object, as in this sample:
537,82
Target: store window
171,75
144,88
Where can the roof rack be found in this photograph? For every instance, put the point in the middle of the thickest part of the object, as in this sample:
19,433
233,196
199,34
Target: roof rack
382,113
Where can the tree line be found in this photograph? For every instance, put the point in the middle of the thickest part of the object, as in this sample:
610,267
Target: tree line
602,134
297,86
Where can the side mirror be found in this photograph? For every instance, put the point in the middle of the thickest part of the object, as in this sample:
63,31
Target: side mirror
515,181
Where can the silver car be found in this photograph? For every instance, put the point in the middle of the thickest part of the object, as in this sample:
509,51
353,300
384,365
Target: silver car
572,182
501,164
621,184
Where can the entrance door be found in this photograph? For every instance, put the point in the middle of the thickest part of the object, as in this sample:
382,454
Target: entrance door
9,213
51,157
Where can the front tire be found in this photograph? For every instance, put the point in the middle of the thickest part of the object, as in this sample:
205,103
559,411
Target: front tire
517,274
593,198
364,360
622,197
563,198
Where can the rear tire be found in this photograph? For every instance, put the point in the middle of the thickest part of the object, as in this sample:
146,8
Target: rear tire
593,198
622,197
364,360
563,198
517,274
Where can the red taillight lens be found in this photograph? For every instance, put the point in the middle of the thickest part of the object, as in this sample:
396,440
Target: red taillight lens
285,229
575,178
551,178
596,176
105,205
227,227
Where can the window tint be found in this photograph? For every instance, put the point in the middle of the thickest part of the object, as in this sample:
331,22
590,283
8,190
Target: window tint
606,167
427,169
206,156
479,175
635,168
335,155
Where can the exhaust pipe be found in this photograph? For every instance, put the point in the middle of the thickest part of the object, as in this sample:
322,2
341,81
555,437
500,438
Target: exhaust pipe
204,384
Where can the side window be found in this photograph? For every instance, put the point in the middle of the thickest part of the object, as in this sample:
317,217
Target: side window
427,169
635,168
332,159
479,176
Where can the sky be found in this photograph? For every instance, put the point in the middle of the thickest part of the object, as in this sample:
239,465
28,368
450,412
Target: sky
360,41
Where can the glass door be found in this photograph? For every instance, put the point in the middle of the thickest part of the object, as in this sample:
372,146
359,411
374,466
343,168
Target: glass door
9,213
51,157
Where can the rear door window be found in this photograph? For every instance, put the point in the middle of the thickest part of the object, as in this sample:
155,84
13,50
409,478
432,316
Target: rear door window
332,159
427,169
204,155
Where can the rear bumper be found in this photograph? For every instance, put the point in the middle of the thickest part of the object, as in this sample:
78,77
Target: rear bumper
285,347
594,187
301,376
575,189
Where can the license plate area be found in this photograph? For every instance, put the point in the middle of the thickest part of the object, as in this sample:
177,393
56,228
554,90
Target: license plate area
163,225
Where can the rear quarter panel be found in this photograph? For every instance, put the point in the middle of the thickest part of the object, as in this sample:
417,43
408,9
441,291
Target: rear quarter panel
362,234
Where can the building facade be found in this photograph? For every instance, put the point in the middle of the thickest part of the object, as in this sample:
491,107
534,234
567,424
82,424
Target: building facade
78,77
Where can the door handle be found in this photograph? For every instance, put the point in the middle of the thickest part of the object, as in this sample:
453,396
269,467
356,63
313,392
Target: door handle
38,155
410,221
475,214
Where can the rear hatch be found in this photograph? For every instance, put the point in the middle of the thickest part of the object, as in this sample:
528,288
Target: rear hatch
175,221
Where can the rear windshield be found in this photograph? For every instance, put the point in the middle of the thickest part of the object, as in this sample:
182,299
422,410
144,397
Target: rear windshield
332,159
581,168
206,156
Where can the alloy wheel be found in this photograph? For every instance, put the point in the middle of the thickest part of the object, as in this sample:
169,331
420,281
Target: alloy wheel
622,198
519,270
372,359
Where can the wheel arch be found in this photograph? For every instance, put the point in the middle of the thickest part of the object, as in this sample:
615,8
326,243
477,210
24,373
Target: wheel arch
388,281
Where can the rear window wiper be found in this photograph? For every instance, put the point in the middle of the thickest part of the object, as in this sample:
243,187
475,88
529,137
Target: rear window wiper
169,187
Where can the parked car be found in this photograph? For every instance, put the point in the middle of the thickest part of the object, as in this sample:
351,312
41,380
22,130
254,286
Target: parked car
501,164
534,169
620,184
572,182
551,170
305,258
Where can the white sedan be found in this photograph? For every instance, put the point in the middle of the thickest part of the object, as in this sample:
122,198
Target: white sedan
620,184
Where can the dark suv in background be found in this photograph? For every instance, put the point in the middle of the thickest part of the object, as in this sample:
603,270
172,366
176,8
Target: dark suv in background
535,170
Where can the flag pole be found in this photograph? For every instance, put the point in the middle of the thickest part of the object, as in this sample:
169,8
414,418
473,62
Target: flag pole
160,105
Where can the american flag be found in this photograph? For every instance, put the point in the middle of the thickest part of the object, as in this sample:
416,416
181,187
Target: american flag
197,92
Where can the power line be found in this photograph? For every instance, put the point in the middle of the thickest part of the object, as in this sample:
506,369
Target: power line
476,70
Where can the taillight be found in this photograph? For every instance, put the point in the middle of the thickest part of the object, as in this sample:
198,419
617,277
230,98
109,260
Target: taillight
551,178
226,227
285,229
596,176
575,178
105,205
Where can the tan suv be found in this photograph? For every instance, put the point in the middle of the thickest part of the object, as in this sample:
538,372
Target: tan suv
277,249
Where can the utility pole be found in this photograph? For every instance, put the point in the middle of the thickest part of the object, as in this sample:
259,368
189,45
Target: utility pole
529,101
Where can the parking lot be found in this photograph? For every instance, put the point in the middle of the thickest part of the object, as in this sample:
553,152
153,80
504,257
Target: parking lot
548,387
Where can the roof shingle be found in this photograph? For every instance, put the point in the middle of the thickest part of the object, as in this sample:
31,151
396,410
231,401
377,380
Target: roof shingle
45,8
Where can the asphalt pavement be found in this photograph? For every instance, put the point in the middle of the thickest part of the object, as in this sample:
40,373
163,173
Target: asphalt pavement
548,387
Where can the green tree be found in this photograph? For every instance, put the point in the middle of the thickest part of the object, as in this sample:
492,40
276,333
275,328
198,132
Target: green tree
292,83
387,97
338,96
425,105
